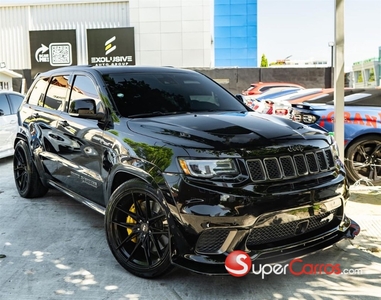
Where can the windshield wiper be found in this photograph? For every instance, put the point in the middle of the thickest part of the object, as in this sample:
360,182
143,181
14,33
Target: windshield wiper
157,113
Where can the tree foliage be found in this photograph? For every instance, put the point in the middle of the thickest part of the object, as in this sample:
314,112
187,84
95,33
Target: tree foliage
264,62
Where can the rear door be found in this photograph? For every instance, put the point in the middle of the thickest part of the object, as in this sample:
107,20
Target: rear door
40,115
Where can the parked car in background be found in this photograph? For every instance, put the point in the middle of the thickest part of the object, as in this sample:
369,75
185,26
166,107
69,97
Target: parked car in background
362,129
311,94
261,87
280,104
253,100
183,171
9,104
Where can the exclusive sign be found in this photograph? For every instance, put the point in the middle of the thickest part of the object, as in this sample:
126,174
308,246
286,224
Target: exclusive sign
111,46
50,49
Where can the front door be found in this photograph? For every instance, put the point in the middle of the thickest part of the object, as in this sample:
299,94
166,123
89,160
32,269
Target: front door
81,149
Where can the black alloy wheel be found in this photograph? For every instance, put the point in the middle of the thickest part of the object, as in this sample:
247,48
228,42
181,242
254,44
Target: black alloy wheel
137,229
363,160
26,177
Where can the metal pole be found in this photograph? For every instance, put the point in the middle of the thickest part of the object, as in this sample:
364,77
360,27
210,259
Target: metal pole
332,68
331,44
379,67
339,76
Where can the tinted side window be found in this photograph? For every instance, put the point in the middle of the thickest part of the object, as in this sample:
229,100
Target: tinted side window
4,106
15,102
57,91
265,88
38,93
84,88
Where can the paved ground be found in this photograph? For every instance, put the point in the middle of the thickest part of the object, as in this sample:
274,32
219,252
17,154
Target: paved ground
56,249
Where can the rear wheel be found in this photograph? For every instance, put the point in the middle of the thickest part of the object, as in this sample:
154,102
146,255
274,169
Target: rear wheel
137,229
363,160
26,177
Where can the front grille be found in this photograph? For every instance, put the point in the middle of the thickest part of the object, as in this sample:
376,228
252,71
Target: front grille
290,166
211,241
277,232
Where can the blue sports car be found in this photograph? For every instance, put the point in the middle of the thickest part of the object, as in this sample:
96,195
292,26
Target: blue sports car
362,129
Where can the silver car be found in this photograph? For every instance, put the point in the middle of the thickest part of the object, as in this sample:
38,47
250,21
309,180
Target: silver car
9,104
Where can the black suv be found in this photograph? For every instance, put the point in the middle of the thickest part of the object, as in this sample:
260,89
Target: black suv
183,171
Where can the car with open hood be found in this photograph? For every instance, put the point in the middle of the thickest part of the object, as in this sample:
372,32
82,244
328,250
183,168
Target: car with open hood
182,170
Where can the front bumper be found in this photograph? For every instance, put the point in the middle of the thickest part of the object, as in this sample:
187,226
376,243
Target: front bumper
215,264
270,222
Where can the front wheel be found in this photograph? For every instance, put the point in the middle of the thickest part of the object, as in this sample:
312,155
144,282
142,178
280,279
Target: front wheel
26,177
137,229
363,160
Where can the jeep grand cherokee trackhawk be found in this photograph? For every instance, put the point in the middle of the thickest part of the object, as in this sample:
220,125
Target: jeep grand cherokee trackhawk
182,170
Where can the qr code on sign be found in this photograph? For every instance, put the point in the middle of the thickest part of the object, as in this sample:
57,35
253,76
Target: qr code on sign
60,54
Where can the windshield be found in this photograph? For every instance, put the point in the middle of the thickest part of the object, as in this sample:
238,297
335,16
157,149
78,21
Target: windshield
139,94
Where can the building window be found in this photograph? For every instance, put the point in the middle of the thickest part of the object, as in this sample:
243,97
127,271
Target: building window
358,77
371,75
4,85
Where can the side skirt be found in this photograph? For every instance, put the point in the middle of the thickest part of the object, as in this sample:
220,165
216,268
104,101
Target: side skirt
79,198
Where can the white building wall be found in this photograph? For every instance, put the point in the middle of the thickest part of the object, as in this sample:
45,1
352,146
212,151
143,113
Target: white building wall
5,82
14,38
173,32
167,32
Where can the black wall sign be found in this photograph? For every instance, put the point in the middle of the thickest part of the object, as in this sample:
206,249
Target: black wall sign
50,49
111,46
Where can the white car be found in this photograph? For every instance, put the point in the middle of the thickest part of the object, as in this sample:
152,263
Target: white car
9,104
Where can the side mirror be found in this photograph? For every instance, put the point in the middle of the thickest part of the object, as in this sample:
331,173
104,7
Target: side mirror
85,108
1,112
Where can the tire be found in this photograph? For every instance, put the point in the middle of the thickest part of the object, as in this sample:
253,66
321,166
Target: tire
363,160
138,237
26,177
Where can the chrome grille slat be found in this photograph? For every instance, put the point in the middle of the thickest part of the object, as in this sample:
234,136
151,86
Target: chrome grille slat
312,163
322,160
329,157
301,164
272,168
256,170
285,167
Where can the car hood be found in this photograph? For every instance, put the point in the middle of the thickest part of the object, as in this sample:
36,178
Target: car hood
221,130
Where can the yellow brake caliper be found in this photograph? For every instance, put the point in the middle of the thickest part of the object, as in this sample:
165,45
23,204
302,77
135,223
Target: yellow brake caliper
130,220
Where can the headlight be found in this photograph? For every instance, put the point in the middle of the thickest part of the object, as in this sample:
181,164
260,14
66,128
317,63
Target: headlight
208,168
304,118
334,145
309,119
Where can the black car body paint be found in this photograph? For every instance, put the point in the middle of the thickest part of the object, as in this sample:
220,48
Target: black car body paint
220,176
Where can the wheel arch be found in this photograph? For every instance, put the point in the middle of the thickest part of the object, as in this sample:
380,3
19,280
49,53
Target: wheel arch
368,170
360,137
19,137
122,174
